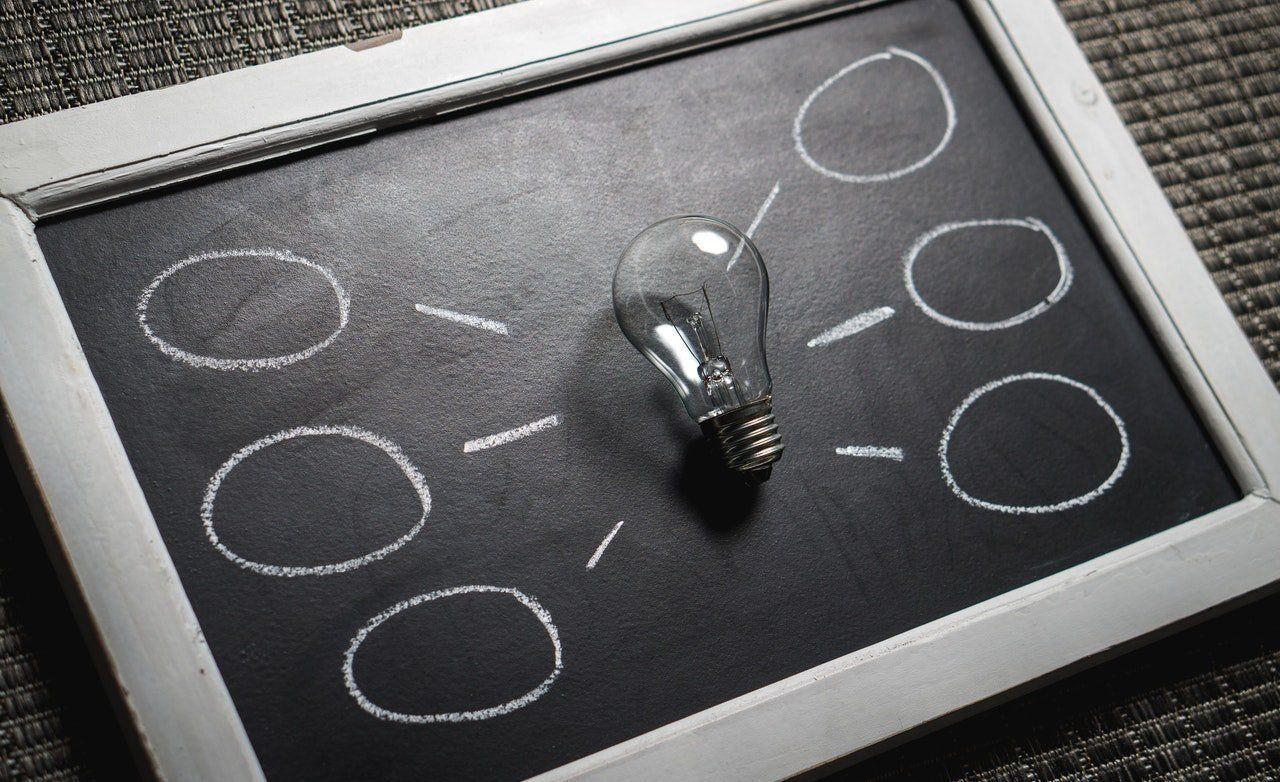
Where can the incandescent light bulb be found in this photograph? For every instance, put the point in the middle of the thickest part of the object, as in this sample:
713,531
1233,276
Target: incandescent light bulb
692,294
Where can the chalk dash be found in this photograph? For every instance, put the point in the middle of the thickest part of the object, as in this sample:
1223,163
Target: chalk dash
604,544
859,322
474,321
872,452
511,435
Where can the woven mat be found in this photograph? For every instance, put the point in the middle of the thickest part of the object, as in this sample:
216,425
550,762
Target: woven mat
1198,82
55,54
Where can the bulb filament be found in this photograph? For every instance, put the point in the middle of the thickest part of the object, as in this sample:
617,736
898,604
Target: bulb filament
697,327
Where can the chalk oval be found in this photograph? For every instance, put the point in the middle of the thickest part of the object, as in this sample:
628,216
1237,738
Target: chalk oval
944,93
243,364
474,715
1065,273
386,446
1122,461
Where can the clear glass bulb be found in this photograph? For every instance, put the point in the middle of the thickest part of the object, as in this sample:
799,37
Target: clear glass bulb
692,294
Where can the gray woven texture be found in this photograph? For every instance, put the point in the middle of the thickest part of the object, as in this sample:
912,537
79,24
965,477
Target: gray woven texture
61,53
1198,82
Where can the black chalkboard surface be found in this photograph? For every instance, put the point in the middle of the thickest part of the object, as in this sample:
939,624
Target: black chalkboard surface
394,589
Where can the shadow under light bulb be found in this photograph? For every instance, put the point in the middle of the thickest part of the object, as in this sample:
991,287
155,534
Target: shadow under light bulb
692,294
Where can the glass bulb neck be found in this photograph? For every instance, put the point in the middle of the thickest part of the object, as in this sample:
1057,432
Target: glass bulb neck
747,438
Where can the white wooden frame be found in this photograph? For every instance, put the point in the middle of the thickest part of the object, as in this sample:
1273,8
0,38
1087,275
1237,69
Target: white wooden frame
100,526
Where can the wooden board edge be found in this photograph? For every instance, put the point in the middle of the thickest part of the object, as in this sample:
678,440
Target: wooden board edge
127,145
866,698
102,527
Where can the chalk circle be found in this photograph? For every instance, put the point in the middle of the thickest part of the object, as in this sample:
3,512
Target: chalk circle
1121,463
348,661
797,127
1065,273
385,445
244,364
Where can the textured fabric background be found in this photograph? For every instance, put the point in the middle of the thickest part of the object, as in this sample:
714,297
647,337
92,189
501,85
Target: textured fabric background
1197,81
1199,85
61,53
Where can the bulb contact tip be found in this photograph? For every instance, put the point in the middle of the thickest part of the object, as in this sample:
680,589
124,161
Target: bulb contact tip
747,438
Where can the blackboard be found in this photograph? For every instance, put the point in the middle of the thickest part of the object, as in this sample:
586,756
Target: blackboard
360,639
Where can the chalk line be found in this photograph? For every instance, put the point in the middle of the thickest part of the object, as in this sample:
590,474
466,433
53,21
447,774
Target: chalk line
511,435
246,364
764,208
1065,273
387,447
751,230
1073,502
604,544
862,320
497,327
348,660
797,127
872,452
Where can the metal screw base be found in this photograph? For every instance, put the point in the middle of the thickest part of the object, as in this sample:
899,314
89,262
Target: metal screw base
748,439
